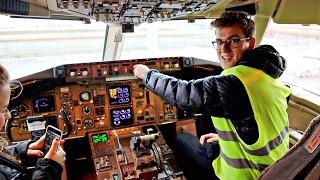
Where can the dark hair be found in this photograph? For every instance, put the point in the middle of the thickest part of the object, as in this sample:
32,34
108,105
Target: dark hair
4,76
232,18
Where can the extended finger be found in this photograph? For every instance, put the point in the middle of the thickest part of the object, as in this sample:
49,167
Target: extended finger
36,153
38,144
213,139
202,139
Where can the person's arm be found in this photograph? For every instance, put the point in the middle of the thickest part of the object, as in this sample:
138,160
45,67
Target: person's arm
29,151
47,169
201,94
20,150
214,94
50,167
184,94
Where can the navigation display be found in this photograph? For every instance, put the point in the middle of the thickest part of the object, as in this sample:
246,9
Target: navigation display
121,117
43,104
119,94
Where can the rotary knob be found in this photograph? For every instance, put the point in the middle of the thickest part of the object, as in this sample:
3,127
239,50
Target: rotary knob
87,123
72,74
84,73
86,110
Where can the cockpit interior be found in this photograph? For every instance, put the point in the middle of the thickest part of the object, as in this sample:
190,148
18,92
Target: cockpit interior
113,126
110,121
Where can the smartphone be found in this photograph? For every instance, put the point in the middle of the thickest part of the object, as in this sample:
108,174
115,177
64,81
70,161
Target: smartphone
51,133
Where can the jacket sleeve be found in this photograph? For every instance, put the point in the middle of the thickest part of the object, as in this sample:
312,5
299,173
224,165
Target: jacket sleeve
20,150
187,95
47,169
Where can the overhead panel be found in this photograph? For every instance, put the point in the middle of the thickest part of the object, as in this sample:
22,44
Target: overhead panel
129,12
134,11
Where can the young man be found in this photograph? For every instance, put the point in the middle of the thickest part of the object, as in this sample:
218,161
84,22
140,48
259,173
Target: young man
246,101
47,167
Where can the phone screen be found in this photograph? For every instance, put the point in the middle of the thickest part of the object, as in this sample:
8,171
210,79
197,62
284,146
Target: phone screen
51,133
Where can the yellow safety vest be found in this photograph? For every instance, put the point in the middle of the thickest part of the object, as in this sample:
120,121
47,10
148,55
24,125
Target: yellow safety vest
238,160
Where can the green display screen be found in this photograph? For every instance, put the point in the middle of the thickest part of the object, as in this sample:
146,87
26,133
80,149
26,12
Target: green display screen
97,138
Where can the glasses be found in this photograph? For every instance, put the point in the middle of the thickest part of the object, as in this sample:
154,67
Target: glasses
232,43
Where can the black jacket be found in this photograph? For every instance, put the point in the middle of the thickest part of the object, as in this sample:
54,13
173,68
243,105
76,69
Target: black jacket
45,169
220,96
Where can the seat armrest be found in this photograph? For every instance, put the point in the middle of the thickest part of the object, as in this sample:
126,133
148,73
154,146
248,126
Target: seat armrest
294,136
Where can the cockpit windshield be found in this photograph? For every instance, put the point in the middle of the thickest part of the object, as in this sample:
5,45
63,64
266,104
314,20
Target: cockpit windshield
35,45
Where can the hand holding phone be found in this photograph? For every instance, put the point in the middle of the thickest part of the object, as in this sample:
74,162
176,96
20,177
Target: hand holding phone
56,153
51,133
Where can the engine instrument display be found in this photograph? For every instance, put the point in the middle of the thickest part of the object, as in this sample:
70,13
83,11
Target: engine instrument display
121,117
85,96
99,138
119,94
43,104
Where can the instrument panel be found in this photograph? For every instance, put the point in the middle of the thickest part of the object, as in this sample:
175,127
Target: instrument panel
104,104
97,96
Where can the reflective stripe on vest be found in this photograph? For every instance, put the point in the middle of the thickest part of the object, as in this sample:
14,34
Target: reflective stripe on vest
242,163
230,136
